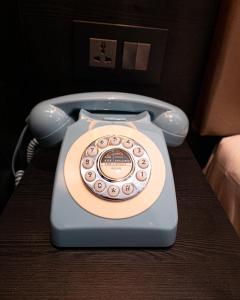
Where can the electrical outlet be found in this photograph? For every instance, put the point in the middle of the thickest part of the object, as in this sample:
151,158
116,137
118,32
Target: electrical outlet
102,53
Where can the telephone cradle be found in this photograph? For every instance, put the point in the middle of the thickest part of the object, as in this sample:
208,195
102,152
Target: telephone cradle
113,185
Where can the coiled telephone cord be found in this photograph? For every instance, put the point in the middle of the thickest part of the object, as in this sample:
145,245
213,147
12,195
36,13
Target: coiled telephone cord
18,176
31,148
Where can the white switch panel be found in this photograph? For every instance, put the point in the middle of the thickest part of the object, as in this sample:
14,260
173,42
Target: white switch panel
129,55
136,56
142,56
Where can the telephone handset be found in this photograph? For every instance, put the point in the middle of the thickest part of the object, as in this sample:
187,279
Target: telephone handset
113,184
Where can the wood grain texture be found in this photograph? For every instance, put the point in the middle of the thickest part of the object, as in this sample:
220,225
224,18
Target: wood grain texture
203,264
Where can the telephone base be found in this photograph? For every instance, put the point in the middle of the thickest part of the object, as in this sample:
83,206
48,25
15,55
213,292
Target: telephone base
81,219
112,237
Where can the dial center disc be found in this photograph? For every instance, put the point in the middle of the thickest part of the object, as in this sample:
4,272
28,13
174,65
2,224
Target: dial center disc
115,164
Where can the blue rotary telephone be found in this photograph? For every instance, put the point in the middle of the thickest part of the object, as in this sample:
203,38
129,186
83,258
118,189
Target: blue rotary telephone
113,185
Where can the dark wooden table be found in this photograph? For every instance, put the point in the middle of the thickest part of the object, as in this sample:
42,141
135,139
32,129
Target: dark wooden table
203,264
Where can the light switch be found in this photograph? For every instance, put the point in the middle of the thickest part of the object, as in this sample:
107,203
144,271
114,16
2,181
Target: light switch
143,51
136,56
129,55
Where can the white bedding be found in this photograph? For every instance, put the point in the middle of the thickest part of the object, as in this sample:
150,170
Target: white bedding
223,174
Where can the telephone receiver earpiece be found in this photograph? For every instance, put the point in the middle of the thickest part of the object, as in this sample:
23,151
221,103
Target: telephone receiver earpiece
174,125
48,123
49,119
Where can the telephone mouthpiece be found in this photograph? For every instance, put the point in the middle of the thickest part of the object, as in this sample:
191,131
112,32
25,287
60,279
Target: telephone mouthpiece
48,123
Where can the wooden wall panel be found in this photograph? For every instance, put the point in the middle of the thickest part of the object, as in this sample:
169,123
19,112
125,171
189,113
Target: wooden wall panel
47,33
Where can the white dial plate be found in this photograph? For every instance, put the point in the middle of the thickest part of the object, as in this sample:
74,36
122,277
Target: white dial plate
115,167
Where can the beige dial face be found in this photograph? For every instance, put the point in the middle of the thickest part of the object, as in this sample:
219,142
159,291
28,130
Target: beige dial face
114,172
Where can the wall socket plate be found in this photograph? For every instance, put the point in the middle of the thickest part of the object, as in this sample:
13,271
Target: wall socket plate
102,53
84,68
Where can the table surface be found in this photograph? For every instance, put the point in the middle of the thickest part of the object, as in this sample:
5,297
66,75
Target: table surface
204,263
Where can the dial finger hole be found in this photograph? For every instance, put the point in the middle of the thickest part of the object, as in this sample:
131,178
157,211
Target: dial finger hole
87,162
143,163
141,175
99,186
113,191
90,176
